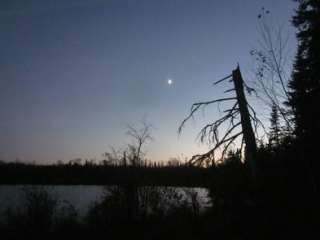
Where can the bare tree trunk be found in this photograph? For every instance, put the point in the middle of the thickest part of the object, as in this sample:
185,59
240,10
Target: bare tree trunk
248,134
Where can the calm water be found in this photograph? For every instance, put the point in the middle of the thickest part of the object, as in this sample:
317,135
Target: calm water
80,196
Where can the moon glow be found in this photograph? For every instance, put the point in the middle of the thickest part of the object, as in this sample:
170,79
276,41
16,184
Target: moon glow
170,82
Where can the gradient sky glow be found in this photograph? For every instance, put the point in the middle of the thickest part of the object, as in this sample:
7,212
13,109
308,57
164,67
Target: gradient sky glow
75,73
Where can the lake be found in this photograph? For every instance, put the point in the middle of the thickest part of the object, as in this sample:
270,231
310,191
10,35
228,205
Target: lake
80,196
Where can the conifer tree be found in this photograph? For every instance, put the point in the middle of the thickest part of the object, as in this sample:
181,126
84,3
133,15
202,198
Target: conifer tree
305,83
275,128
305,93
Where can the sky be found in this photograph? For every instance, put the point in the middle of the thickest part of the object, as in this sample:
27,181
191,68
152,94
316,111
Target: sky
74,74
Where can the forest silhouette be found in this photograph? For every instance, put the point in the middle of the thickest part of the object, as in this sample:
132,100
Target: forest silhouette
258,190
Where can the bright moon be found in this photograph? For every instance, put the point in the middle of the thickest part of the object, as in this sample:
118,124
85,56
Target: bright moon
170,81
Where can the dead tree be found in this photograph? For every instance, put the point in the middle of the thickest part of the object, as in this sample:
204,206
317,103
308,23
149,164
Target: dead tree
238,117
140,138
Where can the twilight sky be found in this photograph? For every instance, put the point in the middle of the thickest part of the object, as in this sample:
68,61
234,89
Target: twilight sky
75,73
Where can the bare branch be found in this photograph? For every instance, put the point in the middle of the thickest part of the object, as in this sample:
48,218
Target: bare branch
271,65
196,106
256,120
229,90
201,157
221,80
211,130
226,147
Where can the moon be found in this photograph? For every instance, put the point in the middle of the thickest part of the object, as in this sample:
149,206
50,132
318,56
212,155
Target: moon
170,82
